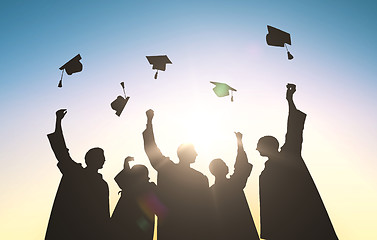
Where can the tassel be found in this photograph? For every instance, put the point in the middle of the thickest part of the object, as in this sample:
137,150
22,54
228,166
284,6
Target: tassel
124,91
155,76
61,80
290,57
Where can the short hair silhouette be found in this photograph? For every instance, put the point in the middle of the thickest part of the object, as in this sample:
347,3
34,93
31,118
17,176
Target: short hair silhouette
186,153
267,144
94,156
218,167
140,172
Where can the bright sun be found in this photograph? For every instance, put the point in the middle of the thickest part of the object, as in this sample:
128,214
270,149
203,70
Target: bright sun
211,132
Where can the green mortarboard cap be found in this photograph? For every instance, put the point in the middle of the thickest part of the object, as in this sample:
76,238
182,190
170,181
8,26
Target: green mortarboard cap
120,102
158,62
72,66
278,38
222,89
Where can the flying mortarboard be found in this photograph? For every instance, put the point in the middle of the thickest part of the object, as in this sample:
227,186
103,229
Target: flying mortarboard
222,89
158,62
120,102
72,66
278,38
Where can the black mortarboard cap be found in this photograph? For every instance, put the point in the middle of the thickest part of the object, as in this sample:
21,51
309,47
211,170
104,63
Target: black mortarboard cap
278,38
158,62
72,66
222,89
120,102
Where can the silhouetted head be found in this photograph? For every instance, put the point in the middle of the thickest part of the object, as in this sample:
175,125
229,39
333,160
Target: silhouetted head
218,168
95,158
268,146
140,173
186,153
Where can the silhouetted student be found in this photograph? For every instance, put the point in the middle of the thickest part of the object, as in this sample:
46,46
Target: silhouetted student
133,217
290,204
183,191
81,206
233,219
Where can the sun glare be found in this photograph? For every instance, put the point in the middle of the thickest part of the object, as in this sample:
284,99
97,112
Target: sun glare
210,131
204,128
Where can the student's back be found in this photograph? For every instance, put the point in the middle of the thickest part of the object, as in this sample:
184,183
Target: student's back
133,217
232,216
183,191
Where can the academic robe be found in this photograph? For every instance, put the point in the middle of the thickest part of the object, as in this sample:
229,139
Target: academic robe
290,204
81,205
232,216
133,216
184,194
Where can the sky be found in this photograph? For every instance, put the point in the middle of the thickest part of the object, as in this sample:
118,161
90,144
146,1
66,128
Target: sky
333,44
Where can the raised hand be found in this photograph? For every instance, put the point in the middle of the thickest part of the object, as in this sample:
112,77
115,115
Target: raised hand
239,138
126,162
291,89
129,159
60,114
238,135
150,114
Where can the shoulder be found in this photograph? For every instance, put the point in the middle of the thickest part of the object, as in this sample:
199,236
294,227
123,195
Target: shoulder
165,165
101,182
298,116
200,176
246,167
213,188
152,186
69,167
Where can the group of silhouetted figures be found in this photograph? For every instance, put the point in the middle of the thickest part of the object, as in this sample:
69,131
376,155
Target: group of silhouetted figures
186,207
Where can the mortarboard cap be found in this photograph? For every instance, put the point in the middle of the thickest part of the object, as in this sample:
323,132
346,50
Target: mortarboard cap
158,62
278,38
120,102
72,66
222,89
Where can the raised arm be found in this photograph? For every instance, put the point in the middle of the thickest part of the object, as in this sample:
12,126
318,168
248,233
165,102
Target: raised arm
291,89
57,141
59,117
123,176
242,167
295,125
241,155
126,164
156,158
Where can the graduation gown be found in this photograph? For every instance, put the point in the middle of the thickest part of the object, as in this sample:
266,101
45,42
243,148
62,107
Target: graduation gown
232,216
133,216
184,195
81,205
290,204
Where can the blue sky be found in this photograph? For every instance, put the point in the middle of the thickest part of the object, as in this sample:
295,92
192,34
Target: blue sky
44,32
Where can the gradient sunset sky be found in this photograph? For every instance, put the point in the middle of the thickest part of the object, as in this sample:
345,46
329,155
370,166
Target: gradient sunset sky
334,68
